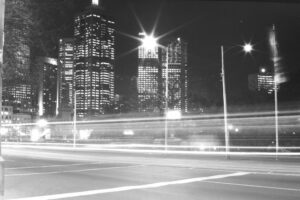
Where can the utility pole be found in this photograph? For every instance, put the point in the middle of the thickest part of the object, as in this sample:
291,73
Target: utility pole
2,12
167,98
74,120
227,149
275,62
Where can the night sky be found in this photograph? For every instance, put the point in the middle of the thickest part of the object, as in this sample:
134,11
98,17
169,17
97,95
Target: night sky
206,25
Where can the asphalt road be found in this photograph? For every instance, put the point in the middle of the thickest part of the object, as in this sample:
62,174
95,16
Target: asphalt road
37,174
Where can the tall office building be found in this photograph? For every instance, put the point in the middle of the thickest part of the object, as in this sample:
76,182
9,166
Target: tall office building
17,90
177,74
65,73
262,81
152,76
47,87
94,56
19,96
149,78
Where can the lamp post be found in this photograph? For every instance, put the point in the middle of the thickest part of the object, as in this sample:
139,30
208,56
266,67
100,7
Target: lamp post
247,48
275,59
2,12
276,114
149,42
167,97
74,120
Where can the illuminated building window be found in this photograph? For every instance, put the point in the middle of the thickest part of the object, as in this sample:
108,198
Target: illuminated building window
94,54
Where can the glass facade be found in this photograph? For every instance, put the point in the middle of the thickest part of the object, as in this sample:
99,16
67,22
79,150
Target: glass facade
262,81
177,75
65,72
149,78
152,77
94,55
47,93
17,88
265,82
19,96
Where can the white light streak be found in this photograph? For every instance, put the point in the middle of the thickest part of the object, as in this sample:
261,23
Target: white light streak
42,123
242,115
178,151
173,114
128,132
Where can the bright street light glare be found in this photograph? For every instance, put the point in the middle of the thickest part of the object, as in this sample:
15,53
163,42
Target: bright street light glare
230,126
248,48
42,123
149,42
173,114
95,2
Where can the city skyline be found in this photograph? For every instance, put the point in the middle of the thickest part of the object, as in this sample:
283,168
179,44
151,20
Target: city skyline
206,26
204,82
149,99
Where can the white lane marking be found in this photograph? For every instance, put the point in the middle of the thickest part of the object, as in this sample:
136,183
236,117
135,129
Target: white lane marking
49,166
135,187
255,186
71,171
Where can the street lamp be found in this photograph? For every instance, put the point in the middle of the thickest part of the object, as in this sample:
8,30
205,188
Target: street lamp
166,97
247,49
149,42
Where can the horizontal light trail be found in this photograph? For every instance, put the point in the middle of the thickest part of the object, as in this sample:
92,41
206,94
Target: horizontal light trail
101,146
255,186
249,115
50,166
135,187
72,171
192,152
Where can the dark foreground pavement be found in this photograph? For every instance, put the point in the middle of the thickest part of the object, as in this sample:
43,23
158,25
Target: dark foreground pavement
39,174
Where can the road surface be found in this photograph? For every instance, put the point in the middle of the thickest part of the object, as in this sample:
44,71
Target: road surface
37,174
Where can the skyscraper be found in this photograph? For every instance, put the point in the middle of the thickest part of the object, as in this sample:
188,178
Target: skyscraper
65,72
94,55
47,87
149,78
17,90
177,74
262,81
152,76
